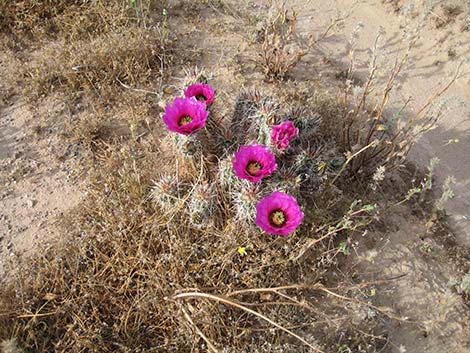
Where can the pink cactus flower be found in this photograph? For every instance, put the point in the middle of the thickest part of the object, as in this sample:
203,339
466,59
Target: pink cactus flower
254,162
202,92
278,214
283,134
185,116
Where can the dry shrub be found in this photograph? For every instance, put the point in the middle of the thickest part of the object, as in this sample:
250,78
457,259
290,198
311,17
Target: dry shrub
131,56
370,135
34,20
275,58
282,48
76,47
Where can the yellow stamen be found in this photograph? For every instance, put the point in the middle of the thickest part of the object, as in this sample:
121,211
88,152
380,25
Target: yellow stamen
253,168
277,218
184,120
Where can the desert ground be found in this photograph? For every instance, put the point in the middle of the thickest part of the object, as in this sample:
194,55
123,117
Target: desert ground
92,259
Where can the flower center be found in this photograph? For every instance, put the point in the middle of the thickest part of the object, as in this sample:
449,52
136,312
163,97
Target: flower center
253,168
277,218
184,120
201,97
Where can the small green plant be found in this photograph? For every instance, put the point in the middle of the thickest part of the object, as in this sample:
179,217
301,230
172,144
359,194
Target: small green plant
344,349
464,286
426,247
447,193
344,248
425,186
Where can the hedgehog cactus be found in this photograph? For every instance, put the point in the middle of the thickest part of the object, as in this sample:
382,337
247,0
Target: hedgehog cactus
306,123
194,75
189,146
165,192
261,150
253,117
201,206
226,175
245,200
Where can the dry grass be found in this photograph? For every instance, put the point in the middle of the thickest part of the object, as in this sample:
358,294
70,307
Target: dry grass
94,66
31,21
80,47
96,52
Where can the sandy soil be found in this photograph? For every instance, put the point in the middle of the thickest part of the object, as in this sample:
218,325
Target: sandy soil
423,294
430,317
440,49
37,181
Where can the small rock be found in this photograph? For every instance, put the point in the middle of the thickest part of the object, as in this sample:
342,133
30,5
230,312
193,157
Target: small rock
31,203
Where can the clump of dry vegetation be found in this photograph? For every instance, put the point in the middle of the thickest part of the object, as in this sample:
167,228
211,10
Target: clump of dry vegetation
96,65
282,48
447,14
143,269
80,47
30,21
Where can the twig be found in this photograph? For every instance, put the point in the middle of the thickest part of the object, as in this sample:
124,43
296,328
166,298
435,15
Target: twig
315,286
136,89
199,332
350,158
34,315
220,299
320,287
363,303
273,289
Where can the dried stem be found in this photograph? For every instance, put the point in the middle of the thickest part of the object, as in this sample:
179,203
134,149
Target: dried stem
199,332
197,295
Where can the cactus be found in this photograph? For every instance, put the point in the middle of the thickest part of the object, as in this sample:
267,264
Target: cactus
226,176
189,146
244,201
165,192
201,207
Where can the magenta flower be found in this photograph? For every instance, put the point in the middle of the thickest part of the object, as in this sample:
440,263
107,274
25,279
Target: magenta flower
202,92
283,134
185,116
278,214
254,162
